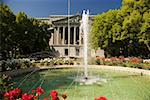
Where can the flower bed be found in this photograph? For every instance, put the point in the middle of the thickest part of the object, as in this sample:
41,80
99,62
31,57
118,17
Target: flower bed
53,62
11,64
126,62
17,94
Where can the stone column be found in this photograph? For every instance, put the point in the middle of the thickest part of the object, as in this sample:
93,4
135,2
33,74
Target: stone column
51,40
57,35
63,39
80,36
74,35
69,36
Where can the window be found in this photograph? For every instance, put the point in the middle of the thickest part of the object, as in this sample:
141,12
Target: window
66,52
77,52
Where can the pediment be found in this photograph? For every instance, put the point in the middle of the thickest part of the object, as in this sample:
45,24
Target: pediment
73,19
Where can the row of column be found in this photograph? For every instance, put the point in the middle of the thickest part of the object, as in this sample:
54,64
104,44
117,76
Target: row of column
61,36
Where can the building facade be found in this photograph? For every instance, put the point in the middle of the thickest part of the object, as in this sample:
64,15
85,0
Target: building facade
68,42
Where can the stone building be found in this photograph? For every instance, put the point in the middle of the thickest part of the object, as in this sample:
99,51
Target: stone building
66,45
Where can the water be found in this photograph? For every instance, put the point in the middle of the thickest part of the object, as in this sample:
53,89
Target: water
85,30
121,86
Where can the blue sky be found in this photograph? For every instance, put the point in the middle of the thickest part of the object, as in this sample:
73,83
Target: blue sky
44,8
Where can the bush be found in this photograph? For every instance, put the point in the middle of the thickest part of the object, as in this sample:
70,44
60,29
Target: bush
66,62
121,61
46,63
42,63
12,64
98,62
146,67
3,65
5,84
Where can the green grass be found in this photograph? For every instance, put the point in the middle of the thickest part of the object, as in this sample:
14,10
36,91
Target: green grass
121,86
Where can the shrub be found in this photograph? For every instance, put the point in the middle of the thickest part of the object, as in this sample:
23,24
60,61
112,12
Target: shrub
42,63
5,84
51,63
66,62
98,62
146,67
3,65
121,61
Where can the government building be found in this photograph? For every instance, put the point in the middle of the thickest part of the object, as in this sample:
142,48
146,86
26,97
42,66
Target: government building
67,44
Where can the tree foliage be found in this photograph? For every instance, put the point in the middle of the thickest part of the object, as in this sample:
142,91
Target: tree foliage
125,31
21,34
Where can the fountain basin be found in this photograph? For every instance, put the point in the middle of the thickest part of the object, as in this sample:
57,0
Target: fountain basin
119,85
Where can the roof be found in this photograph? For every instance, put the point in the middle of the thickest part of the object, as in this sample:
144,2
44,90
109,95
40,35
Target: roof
59,19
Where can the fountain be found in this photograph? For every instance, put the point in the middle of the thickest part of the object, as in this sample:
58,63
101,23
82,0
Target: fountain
84,29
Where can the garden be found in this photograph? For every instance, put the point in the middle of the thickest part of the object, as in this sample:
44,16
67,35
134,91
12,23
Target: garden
14,64
38,84
122,33
52,84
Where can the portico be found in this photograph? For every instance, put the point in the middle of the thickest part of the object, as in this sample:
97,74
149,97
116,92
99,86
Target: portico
61,36
67,44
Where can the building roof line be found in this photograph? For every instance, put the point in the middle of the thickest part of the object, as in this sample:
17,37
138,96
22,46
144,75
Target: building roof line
59,16
69,15
42,17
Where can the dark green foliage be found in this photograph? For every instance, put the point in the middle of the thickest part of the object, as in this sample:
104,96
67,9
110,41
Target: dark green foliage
125,31
5,84
14,64
21,35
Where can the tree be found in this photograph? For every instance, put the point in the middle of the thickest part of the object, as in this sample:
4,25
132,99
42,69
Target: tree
124,31
34,35
101,34
7,28
144,34
25,33
21,34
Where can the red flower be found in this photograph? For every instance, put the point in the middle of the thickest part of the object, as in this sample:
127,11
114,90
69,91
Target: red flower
13,94
55,98
35,97
101,98
39,91
6,94
9,96
53,93
18,91
45,99
33,91
27,97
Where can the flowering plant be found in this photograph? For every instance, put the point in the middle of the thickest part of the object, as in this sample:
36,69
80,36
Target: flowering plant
39,91
13,94
54,94
16,94
101,98
28,97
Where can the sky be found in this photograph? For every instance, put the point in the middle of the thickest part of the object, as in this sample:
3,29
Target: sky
44,8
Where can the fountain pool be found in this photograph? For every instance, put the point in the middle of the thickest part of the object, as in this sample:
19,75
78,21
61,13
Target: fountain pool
121,85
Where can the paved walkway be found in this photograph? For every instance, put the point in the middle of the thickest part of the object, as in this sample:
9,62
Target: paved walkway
114,68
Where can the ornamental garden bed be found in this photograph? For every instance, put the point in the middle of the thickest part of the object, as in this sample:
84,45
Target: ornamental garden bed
132,62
